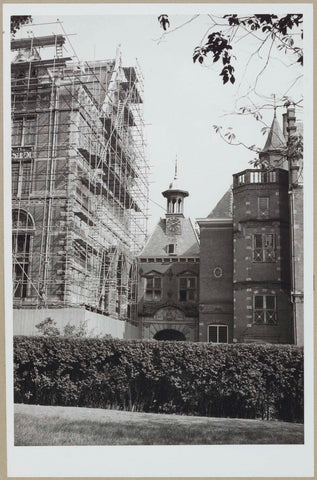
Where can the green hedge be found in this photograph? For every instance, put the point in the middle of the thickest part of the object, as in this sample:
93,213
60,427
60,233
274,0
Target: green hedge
243,380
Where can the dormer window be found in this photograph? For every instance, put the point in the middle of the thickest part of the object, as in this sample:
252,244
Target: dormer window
171,249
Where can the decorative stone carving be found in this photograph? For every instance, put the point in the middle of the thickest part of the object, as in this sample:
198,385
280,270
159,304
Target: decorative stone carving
169,314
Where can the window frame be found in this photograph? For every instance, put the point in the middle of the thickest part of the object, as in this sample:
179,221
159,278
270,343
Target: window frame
187,289
265,312
217,326
266,253
266,212
153,289
24,133
19,185
169,248
22,259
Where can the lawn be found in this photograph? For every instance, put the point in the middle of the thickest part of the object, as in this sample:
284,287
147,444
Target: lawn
46,425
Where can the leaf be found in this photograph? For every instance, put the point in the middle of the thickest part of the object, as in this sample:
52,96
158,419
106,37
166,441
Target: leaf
164,21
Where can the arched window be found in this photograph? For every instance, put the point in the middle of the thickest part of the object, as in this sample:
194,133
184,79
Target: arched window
22,230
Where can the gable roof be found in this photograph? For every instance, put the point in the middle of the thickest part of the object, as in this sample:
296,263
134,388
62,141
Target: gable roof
223,209
187,241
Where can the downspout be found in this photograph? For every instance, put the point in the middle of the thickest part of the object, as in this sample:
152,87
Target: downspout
291,129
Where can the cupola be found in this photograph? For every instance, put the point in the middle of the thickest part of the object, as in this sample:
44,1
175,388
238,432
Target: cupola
175,196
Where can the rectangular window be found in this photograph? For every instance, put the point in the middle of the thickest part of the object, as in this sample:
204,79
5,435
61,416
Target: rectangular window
153,288
23,131
21,178
187,289
171,248
263,207
17,127
265,309
264,247
218,333
21,252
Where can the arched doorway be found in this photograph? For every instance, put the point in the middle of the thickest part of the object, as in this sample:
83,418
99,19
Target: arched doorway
170,334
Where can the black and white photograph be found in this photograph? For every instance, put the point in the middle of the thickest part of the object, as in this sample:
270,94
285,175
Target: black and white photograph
158,218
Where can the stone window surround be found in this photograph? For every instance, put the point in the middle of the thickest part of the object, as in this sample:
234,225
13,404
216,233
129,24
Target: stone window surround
188,289
267,314
153,290
264,247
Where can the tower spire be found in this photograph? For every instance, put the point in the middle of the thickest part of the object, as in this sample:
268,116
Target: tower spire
274,105
175,195
175,173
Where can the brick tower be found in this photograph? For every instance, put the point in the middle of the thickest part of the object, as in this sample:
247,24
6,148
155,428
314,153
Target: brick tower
261,248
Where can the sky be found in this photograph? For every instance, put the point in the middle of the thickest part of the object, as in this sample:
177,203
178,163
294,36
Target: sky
183,100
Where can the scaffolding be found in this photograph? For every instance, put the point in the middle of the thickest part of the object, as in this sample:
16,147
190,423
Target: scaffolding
80,185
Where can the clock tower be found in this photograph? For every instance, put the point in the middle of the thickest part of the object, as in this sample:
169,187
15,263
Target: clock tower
168,272
175,205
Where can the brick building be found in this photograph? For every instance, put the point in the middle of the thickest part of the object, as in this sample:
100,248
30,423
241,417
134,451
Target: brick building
250,272
168,268
79,188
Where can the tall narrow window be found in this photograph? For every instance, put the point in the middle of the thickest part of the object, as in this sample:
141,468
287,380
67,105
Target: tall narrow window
22,228
187,289
21,177
265,309
23,131
153,288
218,333
264,247
171,248
263,207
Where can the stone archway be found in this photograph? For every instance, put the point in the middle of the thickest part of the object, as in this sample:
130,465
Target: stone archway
170,334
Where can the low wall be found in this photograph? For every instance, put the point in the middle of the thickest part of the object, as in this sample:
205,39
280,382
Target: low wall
25,321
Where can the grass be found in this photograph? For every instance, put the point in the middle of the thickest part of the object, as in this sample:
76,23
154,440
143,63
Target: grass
45,425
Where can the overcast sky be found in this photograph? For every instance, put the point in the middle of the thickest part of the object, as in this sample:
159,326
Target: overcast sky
183,100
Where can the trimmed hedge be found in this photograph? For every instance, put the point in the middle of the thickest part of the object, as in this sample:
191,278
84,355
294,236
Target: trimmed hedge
242,380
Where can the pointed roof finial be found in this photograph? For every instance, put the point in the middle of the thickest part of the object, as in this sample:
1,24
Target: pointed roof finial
274,104
175,173
275,139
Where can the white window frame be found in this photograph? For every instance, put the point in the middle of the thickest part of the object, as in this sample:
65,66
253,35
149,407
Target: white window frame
216,325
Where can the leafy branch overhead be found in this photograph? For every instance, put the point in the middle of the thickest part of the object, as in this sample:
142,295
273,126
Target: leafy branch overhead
164,21
17,21
219,44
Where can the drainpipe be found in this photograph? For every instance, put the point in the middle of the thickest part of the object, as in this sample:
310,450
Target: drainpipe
293,174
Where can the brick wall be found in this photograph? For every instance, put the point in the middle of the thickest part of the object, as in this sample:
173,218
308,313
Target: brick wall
215,304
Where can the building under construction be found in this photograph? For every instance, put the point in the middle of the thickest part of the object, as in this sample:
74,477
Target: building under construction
79,188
